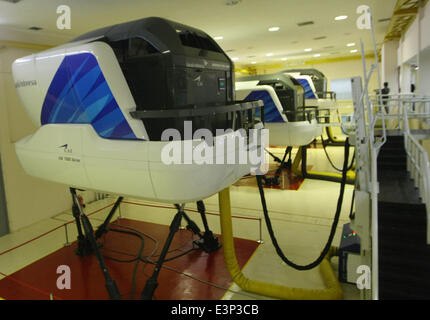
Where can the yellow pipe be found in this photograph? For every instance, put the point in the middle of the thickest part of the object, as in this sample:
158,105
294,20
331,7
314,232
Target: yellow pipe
332,292
332,137
350,175
296,163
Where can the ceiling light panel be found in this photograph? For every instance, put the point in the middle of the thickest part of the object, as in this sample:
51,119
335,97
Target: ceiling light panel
339,18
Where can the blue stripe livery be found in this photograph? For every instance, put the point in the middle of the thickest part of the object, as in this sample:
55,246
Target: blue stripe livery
271,112
79,93
309,93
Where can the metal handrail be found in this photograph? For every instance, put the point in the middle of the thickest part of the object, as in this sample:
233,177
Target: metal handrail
418,165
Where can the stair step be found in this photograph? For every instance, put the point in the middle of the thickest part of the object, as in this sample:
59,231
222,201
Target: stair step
390,250
394,160
416,213
392,156
393,291
404,256
390,141
397,234
392,258
395,138
400,264
397,208
416,224
391,166
393,149
397,147
396,186
408,278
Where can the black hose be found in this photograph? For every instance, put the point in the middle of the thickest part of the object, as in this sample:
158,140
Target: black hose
139,257
333,228
351,211
331,162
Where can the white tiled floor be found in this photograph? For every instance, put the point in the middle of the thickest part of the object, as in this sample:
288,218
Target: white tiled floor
301,220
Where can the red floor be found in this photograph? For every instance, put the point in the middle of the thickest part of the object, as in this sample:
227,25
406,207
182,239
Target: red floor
188,281
287,180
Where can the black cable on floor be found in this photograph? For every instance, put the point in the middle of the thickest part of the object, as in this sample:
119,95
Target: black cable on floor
146,260
331,162
333,227
139,258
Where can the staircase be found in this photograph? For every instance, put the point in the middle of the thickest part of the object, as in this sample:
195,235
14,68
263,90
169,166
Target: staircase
404,256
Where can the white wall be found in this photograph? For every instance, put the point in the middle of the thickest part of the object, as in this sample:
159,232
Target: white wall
424,73
389,65
425,26
409,43
28,199
413,49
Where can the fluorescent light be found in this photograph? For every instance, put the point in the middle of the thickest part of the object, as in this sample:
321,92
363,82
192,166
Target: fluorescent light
234,59
354,51
284,59
219,38
317,55
352,44
308,50
269,54
254,62
274,29
341,18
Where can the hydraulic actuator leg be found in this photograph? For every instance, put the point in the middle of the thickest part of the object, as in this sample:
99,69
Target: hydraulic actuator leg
208,242
152,283
103,228
284,165
84,246
89,236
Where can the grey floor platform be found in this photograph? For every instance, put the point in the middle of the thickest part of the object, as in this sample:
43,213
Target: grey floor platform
397,187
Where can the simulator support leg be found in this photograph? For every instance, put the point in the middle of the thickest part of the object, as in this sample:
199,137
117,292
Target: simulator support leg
84,246
208,242
275,180
152,283
89,234
103,228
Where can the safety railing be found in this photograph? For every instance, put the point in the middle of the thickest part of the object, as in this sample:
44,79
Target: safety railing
392,108
375,116
405,108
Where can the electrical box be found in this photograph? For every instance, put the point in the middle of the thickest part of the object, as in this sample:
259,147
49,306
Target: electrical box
349,255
